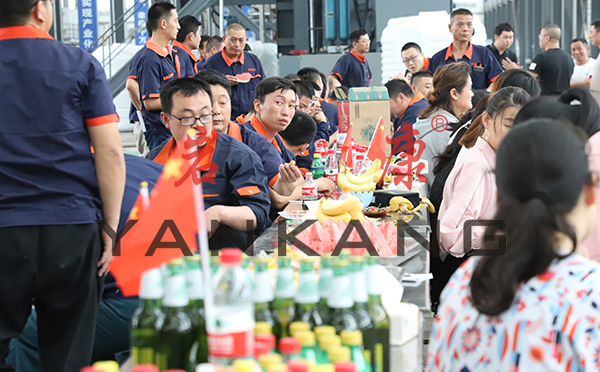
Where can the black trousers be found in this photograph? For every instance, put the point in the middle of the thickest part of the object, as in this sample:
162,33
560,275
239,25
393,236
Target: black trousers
55,269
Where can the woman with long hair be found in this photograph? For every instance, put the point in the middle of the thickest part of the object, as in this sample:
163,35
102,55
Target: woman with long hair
450,99
531,302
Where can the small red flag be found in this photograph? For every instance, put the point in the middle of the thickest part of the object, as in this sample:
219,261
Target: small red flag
347,148
377,145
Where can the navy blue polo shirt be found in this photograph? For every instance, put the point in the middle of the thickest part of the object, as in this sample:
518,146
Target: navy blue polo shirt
403,125
255,126
270,158
138,170
187,60
352,70
331,112
133,71
240,179
484,66
249,72
156,68
50,94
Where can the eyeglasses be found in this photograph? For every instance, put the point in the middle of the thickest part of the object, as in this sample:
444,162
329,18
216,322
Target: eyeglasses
190,120
235,41
410,59
37,1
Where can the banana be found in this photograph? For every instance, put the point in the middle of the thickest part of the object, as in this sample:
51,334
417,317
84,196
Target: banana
429,204
356,211
365,187
344,182
336,207
360,180
375,166
321,217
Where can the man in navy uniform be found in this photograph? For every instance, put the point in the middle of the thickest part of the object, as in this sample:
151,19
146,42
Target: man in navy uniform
352,69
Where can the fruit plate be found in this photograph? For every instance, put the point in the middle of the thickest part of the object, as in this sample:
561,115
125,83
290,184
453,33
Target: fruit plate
375,212
293,215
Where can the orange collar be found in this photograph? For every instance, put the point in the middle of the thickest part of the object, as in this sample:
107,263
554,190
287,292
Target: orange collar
241,119
189,52
166,152
156,49
425,63
233,129
23,32
230,61
205,155
359,57
257,125
468,53
416,98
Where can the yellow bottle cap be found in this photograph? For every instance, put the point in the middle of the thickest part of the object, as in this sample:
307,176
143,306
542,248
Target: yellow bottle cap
338,354
357,259
107,366
195,257
262,328
176,262
244,365
324,368
352,338
298,327
324,330
278,368
268,360
307,338
328,341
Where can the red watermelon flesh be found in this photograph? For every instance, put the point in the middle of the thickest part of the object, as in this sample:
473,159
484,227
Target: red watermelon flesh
388,229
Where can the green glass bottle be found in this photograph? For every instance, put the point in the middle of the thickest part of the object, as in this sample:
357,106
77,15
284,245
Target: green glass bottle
365,322
308,342
262,292
214,264
340,302
380,345
175,332
247,270
325,278
143,332
283,304
307,296
195,308
354,340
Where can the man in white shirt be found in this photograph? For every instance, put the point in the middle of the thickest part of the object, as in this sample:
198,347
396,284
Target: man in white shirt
584,65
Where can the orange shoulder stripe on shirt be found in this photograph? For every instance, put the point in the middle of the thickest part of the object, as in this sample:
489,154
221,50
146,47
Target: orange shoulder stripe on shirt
273,180
112,118
248,190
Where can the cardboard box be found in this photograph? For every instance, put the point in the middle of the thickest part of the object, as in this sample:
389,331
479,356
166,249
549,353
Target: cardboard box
363,109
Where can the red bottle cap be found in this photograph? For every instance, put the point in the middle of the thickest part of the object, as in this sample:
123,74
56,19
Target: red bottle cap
268,340
231,256
297,366
289,345
145,368
345,367
261,348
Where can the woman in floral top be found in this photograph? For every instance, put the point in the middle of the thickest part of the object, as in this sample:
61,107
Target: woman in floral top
531,303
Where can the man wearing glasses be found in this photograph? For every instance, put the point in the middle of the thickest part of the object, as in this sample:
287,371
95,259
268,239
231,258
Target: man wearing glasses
240,192
553,67
352,69
413,59
55,102
243,69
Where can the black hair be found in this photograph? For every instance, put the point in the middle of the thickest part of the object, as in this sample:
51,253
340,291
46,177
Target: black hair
537,188
583,41
292,77
325,84
304,89
270,85
203,40
518,78
596,25
213,41
460,11
158,11
501,27
576,105
187,87
421,74
213,77
397,86
15,12
187,24
356,34
411,45
301,130
314,85
309,74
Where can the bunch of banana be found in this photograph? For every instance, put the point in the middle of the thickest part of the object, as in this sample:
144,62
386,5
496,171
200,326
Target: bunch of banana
365,182
398,203
340,210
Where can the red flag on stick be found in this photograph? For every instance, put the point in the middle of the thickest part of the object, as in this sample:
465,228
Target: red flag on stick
377,145
347,148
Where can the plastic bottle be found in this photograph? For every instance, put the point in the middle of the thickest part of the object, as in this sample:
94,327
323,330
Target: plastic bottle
379,346
325,279
231,327
308,341
298,366
143,332
327,342
283,304
262,292
317,168
214,264
195,308
354,340
175,332
289,348
366,162
324,156
268,360
309,188
339,354
358,166
340,301
365,322
331,167
307,296
247,271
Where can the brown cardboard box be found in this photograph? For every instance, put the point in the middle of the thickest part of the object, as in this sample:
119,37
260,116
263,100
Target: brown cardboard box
363,109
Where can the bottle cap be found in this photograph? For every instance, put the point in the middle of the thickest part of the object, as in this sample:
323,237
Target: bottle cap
267,360
317,156
278,368
351,338
244,365
345,367
324,368
145,368
289,345
308,174
360,157
297,366
262,328
307,338
261,348
338,354
298,327
106,366
327,342
269,340
193,258
152,285
357,259
231,256
321,331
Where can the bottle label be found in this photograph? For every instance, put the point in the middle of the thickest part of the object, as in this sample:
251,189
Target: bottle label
231,332
309,191
373,286
194,283
161,361
378,357
359,288
332,175
325,279
262,291
285,283
341,297
307,289
175,292
142,355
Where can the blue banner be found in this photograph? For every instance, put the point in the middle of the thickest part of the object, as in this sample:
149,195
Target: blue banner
88,23
140,21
